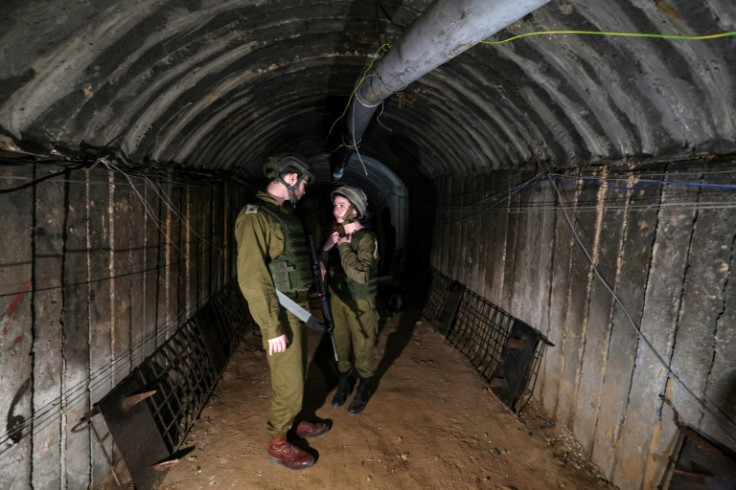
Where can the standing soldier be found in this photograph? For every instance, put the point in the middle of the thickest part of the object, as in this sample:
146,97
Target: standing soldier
273,254
351,255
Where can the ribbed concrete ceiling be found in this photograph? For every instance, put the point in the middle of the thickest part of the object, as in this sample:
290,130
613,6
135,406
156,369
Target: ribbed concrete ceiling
219,84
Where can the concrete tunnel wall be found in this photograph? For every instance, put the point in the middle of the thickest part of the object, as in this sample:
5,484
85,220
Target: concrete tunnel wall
99,268
662,238
94,280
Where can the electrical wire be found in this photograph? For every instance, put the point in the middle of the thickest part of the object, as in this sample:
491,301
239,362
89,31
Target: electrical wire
619,34
671,373
495,200
565,179
128,265
80,391
378,118
150,212
355,147
384,47
88,282
387,46
705,402
41,179
644,183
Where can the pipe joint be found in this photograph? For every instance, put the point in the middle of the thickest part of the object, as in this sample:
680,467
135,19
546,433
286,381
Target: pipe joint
349,144
365,103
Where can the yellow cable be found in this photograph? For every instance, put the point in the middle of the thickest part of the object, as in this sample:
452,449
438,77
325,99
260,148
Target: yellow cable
384,47
623,34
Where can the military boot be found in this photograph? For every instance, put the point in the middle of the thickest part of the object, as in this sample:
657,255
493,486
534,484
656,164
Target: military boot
362,394
280,451
308,430
343,390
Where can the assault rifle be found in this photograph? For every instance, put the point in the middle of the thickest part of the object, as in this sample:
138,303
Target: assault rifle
322,293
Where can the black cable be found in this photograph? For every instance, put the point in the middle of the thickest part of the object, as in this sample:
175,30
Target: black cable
42,179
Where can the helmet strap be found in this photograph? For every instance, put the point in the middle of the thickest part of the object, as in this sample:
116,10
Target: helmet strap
347,218
292,188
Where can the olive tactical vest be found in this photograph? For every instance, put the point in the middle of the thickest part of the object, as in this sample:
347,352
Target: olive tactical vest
292,270
357,290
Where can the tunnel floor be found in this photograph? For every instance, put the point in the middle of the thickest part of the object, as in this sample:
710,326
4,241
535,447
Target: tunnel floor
431,424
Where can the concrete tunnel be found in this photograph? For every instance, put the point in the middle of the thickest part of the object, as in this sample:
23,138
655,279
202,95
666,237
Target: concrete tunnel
569,169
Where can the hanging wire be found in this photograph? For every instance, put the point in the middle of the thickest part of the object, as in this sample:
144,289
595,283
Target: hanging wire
80,391
722,415
387,46
150,212
355,147
33,182
118,273
384,47
705,402
491,201
378,118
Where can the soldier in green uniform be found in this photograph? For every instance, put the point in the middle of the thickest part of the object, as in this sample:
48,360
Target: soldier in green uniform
273,254
351,255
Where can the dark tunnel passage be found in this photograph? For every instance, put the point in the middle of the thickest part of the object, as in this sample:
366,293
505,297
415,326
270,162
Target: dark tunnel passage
551,184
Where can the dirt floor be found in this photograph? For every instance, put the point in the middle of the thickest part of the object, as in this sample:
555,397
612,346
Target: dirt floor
431,424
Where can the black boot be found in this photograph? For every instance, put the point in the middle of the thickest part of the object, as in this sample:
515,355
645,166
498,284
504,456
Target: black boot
362,394
343,390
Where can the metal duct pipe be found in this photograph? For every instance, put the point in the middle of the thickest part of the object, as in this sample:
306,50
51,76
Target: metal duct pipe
446,29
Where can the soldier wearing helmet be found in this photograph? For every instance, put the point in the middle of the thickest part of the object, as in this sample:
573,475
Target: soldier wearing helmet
273,254
351,255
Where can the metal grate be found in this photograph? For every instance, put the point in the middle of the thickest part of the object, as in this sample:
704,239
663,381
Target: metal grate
443,301
152,410
480,332
503,349
699,462
436,297
183,376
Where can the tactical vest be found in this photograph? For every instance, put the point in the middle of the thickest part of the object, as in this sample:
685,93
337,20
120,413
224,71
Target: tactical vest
292,270
357,290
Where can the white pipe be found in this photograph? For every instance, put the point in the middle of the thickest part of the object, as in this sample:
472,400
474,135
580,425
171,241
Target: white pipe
446,29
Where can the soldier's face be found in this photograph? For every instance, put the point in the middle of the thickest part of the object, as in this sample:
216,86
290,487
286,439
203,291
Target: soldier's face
302,189
340,207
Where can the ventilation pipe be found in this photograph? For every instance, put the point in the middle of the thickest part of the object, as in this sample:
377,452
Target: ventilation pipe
446,29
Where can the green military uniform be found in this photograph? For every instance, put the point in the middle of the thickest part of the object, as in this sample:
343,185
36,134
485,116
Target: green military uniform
352,280
272,254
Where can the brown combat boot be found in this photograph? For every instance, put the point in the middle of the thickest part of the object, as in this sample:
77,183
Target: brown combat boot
280,451
308,430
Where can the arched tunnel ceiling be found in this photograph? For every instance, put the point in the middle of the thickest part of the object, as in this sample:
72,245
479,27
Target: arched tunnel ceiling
218,85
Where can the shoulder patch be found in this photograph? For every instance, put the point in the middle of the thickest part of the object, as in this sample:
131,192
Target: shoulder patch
251,209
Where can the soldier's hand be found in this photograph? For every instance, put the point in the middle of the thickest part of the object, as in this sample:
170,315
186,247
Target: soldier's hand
278,344
331,240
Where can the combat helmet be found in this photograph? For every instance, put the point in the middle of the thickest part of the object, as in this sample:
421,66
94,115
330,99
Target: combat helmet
277,165
357,198
284,162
